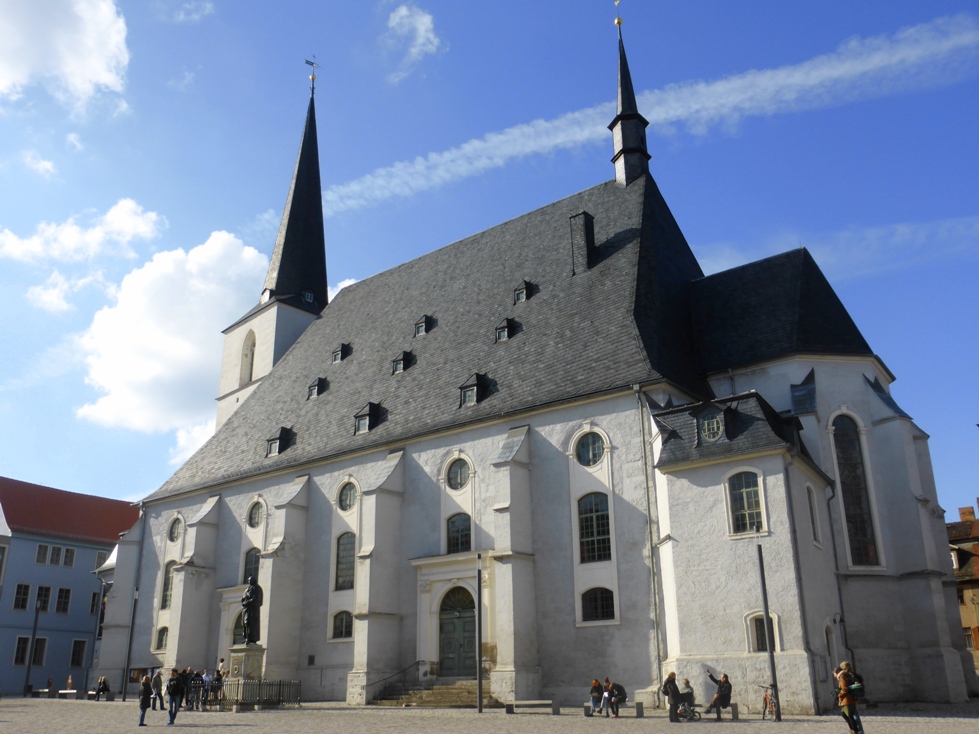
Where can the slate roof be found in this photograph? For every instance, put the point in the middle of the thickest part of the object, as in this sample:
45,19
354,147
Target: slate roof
54,513
779,306
750,425
619,323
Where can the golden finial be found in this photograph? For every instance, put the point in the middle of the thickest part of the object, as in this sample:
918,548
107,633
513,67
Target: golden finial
618,19
312,77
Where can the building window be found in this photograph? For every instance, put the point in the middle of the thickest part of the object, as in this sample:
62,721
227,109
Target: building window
597,604
43,600
343,625
55,558
346,546
161,638
166,595
473,390
469,395
307,296
316,388
173,532
504,331
746,514
64,601
256,514
420,328
759,642
40,651
398,366
341,353
367,418
68,559
20,650
247,359
42,554
337,356
813,514
251,565
459,534
78,648
593,528
272,447
457,476
100,558
363,424
22,596
346,496
711,427
93,607
854,492
590,449
970,640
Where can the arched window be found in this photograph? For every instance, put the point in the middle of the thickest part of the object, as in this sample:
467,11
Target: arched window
593,528
161,638
853,490
346,545
247,359
459,533
343,625
745,499
251,565
597,604
167,594
756,630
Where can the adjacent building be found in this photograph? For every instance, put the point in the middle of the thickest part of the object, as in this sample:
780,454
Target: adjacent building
963,539
563,417
51,542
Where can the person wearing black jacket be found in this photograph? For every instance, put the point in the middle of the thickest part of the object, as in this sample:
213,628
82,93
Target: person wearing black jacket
145,696
175,692
672,692
617,695
722,699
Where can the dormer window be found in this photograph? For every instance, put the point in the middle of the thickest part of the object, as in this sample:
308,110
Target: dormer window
473,390
522,292
366,418
423,325
399,365
710,426
307,296
316,387
505,330
402,362
341,353
278,442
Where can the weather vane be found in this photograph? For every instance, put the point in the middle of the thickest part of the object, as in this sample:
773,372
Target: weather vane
312,77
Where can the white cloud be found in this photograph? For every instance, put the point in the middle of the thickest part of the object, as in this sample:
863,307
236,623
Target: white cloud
75,141
411,26
331,291
190,439
857,251
923,56
33,160
112,232
153,354
76,47
193,11
183,83
52,296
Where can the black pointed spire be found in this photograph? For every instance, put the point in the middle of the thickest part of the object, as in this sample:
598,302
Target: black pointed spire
628,128
297,270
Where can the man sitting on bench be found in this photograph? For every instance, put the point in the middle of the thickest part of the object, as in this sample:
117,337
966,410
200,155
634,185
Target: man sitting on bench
617,695
722,699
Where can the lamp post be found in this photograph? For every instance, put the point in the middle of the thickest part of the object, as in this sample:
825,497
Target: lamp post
767,624
30,648
479,634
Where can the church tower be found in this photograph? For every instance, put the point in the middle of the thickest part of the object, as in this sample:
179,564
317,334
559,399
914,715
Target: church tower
295,287
631,158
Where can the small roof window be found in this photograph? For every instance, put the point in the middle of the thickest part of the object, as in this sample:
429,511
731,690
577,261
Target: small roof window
710,426
278,442
423,325
505,330
307,296
402,362
523,291
473,390
316,388
367,418
341,353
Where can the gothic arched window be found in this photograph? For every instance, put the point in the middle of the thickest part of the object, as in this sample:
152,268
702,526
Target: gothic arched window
346,545
167,594
251,565
593,528
247,359
854,492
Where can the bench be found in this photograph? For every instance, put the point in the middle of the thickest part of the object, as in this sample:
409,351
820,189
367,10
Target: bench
640,712
734,710
543,703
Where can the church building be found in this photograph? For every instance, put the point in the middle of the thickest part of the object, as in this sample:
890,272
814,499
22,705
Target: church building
563,417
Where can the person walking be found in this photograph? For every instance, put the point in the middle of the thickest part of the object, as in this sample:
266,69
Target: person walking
721,699
846,677
157,684
175,692
672,692
145,696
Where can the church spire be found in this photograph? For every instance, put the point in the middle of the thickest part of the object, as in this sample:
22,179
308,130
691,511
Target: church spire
629,127
297,270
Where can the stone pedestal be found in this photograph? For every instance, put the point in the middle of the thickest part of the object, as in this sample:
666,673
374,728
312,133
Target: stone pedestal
247,661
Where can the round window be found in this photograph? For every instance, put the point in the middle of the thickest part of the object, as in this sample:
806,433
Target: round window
345,500
173,532
256,513
590,449
458,475
710,427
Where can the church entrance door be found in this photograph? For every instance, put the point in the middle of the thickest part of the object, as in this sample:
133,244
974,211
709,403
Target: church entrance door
457,634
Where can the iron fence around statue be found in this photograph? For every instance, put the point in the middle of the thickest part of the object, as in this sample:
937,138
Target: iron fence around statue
224,696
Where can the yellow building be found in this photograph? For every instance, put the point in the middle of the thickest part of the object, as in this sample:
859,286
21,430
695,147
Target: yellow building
963,538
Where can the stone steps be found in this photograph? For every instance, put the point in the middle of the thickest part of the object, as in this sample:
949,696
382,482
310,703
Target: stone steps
459,694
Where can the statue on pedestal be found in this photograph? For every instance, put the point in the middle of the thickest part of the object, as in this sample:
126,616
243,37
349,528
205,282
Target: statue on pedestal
251,618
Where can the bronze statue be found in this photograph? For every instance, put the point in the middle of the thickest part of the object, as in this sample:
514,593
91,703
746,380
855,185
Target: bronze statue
251,618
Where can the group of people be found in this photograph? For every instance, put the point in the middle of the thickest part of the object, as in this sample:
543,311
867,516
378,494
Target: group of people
606,696
678,695
186,688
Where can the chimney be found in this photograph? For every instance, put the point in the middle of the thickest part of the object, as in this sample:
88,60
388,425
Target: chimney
967,514
582,242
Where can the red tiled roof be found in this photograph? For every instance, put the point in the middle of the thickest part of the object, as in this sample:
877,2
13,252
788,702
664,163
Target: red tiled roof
31,508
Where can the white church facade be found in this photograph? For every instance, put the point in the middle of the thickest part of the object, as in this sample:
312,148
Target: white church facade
612,433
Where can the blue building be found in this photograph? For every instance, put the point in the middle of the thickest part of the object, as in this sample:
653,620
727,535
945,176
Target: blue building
51,541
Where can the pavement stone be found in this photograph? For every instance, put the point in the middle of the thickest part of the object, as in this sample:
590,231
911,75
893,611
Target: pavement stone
44,716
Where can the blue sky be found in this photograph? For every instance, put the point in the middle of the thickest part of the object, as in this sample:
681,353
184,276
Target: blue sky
146,149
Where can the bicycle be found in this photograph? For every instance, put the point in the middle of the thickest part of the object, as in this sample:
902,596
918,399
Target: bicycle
769,704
